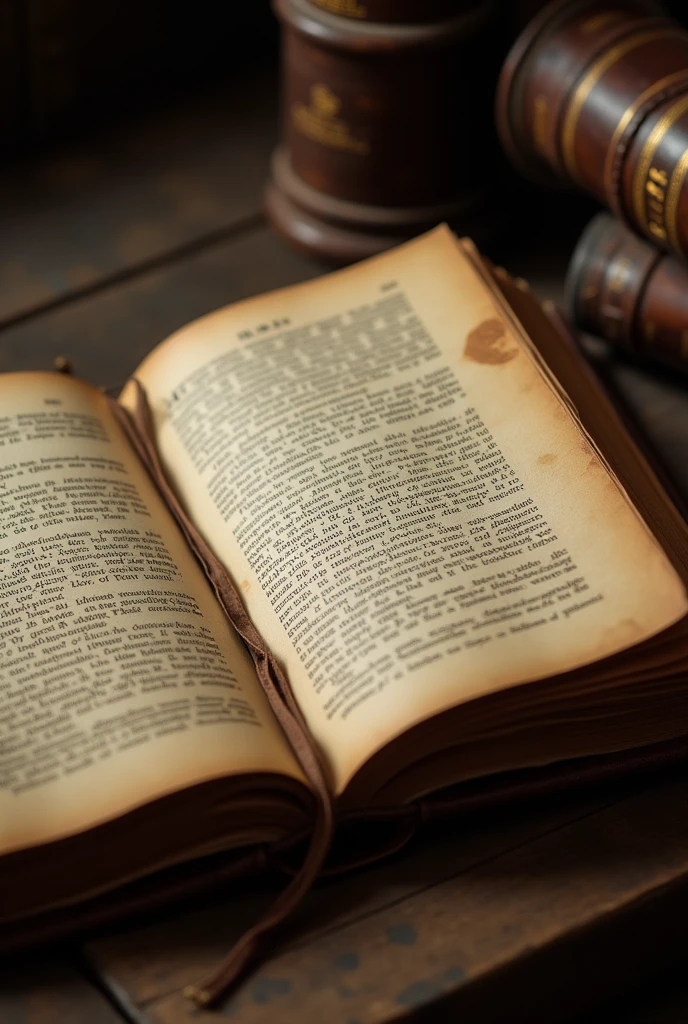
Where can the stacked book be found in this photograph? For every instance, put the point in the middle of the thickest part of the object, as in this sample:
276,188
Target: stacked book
596,96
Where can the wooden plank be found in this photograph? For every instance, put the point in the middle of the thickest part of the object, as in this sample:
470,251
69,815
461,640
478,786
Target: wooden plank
103,207
149,961
34,992
107,334
540,932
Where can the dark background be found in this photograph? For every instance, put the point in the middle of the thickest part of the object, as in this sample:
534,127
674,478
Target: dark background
67,67
136,139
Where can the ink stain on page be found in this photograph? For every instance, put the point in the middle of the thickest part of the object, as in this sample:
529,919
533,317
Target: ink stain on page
488,344
624,633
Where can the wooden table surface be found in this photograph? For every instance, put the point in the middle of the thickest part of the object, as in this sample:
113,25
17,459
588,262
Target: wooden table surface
537,913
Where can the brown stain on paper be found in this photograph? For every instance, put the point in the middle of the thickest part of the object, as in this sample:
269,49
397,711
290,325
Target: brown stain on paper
488,344
547,460
623,634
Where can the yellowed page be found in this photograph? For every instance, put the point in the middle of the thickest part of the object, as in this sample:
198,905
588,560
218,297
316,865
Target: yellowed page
409,508
120,679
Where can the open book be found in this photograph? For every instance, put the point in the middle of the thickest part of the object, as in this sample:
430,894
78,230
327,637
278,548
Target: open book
340,546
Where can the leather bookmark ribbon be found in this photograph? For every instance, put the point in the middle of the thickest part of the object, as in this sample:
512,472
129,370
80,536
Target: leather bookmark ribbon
141,432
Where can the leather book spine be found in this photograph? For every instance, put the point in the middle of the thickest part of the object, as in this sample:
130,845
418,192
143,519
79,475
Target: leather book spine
629,293
595,95
386,126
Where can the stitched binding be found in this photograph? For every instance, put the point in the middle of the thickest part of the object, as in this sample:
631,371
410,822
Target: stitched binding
139,428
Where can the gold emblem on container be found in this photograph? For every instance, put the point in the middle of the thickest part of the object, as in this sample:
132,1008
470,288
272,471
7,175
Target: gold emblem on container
319,120
324,101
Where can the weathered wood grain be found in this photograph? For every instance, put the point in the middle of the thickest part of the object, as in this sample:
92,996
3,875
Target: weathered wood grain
539,932
39,992
152,960
107,334
98,209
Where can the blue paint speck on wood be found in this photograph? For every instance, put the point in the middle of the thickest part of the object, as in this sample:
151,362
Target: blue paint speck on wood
430,988
347,961
263,990
419,992
402,934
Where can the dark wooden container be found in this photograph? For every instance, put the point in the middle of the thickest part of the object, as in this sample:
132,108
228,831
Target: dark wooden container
595,94
387,127
630,293
404,12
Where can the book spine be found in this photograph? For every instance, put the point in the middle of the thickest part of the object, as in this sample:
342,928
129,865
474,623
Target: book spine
596,95
381,124
629,293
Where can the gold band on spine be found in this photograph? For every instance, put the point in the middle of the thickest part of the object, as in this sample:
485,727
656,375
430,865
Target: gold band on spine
629,114
647,156
673,194
590,80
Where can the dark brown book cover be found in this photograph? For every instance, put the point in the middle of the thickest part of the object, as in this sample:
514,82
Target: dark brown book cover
634,296
595,95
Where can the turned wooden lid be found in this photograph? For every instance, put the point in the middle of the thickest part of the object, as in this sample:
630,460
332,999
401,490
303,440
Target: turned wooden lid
327,30
407,12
